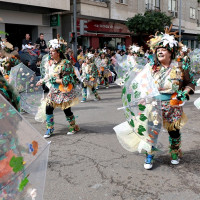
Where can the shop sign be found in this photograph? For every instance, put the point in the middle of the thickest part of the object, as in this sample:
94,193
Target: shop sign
101,26
55,20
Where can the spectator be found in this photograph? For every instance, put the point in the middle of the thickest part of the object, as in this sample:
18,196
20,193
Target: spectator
119,46
26,42
80,55
43,46
124,47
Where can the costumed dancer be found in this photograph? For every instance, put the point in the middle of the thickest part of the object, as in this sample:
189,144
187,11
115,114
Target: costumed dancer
89,77
61,79
104,69
9,58
175,83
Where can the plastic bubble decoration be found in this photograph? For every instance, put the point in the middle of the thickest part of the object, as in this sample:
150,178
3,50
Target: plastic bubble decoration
195,60
142,109
23,157
24,80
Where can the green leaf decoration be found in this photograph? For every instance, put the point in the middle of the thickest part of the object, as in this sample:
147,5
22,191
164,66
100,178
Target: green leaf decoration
126,103
143,117
132,123
135,86
17,164
141,129
123,90
126,79
137,94
23,184
129,97
132,114
141,107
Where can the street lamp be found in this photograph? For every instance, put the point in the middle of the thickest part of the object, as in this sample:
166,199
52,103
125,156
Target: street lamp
180,13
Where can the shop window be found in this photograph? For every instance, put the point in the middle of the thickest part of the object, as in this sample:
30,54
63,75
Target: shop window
197,44
192,13
152,4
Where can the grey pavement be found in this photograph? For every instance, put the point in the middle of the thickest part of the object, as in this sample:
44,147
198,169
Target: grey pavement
92,165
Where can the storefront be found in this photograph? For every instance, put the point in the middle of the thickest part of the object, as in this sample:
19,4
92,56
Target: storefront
102,33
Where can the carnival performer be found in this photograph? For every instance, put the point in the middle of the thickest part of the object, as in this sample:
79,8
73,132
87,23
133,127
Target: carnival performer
61,79
174,82
104,69
9,57
89,77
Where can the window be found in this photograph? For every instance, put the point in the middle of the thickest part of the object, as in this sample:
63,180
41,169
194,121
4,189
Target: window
121,1
185,42
192,13
172,5
152,4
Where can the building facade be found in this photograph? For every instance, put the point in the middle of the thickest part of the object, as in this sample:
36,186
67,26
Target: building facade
99,22
18,17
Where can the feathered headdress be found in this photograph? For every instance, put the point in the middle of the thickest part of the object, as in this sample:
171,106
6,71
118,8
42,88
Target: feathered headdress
58,44
166,40
136,50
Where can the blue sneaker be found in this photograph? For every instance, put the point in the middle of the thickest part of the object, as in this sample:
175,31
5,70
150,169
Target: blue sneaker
83,100
48,133
148,163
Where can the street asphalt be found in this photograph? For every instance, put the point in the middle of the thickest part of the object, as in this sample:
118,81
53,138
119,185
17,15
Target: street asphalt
92,165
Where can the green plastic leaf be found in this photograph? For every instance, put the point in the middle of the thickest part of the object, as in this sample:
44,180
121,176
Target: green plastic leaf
126,103
137,94
129,97
123,90
23,184
17,164
143,117
141,129
132,123
141,107
132,114
126,79
135,86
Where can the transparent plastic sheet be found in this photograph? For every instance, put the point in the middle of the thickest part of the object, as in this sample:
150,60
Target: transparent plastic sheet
142,110
23,157
195,60
25,80
45,59
125,64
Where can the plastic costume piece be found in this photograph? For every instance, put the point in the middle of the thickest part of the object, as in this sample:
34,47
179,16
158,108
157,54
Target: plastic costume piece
23,156
125,64
24,80
142,110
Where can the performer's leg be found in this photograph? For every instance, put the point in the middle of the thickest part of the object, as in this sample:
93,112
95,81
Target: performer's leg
175,144
73,128
97,97
106,82
148,163
84,93
49,121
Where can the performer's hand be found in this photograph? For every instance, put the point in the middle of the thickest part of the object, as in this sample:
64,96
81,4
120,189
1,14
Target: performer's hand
39,83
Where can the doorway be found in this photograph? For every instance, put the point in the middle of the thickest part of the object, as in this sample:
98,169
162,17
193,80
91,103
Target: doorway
17,33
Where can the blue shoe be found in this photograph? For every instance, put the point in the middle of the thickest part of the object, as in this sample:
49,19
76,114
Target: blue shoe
48,133
83,100
148,163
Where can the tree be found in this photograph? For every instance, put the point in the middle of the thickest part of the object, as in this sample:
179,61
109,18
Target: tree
148,23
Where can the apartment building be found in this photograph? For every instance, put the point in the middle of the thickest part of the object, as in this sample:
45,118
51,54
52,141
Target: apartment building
99,22
190,17
18,17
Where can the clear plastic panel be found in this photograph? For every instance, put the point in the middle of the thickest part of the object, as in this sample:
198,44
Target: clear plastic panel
23,156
